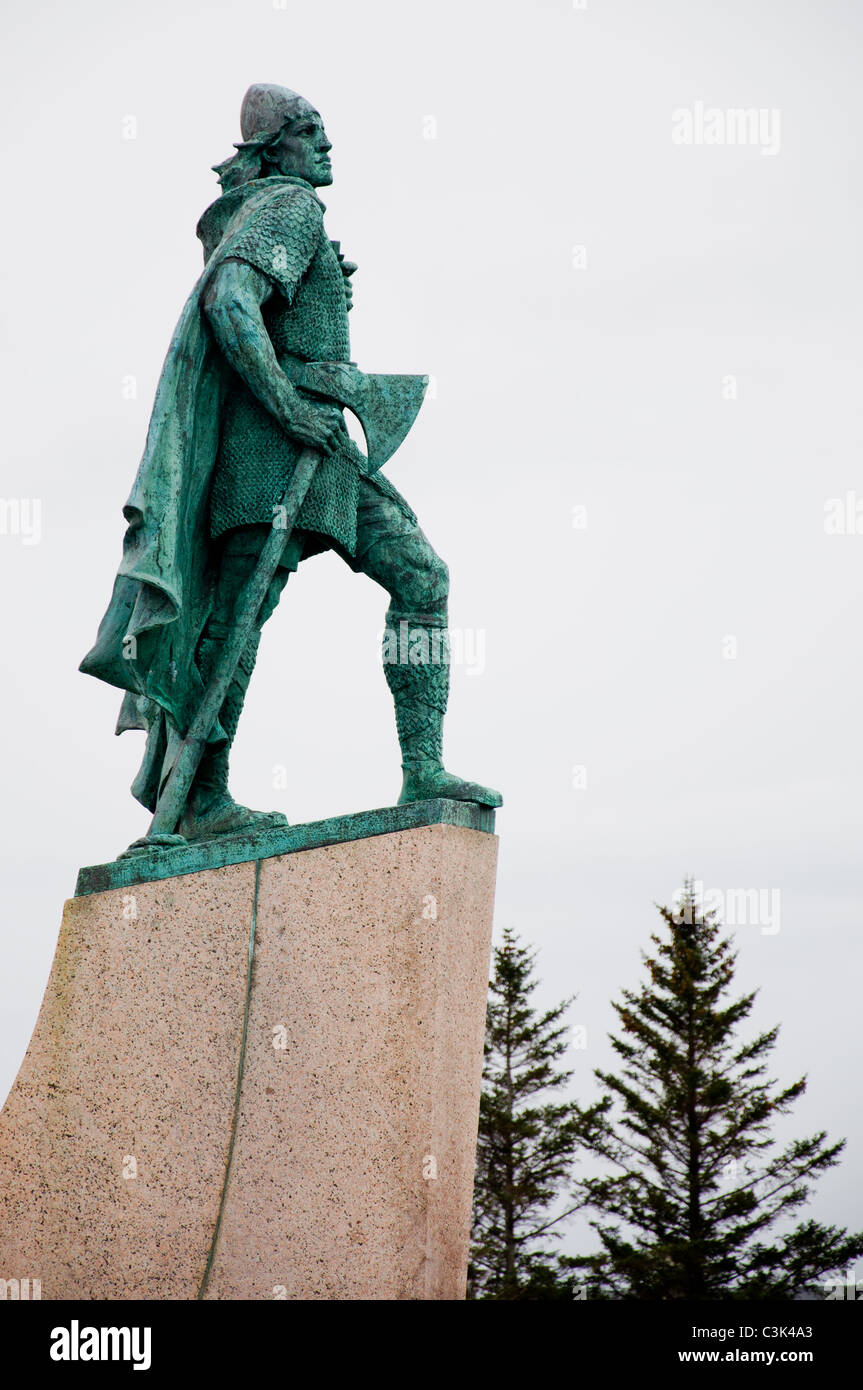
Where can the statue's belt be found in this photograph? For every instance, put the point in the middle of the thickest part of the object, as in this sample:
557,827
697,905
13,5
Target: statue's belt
294,369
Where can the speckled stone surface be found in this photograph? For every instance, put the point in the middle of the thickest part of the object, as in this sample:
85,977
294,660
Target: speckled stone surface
342,1167
132,1069
331,1193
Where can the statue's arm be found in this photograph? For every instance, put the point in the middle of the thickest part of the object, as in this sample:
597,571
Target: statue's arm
232,303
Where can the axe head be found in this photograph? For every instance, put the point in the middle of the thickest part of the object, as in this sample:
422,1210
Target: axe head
385,405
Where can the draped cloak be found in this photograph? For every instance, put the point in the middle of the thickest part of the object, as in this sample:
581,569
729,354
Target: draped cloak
161,599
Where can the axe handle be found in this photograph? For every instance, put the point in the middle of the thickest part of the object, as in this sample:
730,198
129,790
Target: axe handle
172,798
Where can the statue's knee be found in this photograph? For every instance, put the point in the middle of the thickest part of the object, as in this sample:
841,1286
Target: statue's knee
437,592
426,590
439,575
415,577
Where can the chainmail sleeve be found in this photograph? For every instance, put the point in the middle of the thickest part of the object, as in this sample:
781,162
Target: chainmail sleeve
279,237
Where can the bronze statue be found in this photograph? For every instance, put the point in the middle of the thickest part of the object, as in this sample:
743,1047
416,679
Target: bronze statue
248,470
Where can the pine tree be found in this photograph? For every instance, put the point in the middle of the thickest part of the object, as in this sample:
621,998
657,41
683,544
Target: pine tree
696,1180
526,1149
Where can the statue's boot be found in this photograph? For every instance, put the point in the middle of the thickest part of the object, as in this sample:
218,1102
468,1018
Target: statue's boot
210,809
420,695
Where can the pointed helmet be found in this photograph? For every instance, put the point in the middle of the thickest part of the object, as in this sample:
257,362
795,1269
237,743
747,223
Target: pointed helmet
266,107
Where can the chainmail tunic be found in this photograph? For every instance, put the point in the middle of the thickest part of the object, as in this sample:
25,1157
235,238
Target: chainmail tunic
279,230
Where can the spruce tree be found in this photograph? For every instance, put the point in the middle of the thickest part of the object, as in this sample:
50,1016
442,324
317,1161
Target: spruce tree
527,1145
696,1181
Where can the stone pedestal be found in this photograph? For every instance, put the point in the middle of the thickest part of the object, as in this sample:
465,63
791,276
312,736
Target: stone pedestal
260,1079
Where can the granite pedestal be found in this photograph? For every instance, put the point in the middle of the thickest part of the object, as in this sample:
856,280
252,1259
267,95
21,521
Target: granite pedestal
256,1070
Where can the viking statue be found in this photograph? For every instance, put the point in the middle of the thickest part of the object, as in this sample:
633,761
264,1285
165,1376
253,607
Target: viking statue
248,470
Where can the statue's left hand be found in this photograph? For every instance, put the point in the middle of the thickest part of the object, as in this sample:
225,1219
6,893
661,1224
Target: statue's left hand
347,269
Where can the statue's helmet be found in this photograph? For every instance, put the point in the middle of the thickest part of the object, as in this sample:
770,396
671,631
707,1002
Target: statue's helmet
266,107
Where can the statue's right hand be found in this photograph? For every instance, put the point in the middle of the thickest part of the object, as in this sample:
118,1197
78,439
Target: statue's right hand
317,426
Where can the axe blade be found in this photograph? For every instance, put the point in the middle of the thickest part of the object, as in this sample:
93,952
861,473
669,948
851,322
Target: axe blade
385,404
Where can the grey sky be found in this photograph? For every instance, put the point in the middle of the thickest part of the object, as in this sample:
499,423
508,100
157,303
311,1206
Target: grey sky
564,378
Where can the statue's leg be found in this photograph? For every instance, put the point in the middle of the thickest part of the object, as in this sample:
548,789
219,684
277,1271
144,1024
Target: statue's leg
211,810
392,549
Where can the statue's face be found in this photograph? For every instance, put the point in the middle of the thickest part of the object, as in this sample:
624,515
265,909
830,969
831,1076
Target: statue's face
304,150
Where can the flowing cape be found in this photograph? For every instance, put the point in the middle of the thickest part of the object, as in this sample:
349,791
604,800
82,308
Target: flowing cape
148,638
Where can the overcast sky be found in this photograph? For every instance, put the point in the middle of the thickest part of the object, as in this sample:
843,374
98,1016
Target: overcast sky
646,360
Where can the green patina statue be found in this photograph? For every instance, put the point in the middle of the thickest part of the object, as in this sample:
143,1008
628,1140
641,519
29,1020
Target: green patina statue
249,469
